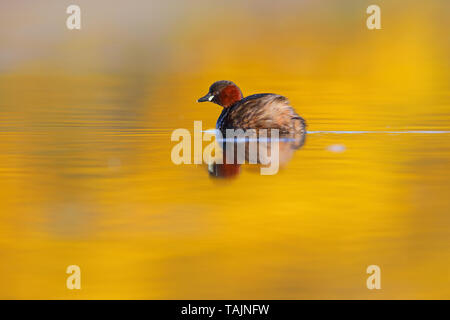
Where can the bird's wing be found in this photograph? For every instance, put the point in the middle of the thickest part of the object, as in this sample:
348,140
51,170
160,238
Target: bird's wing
262,111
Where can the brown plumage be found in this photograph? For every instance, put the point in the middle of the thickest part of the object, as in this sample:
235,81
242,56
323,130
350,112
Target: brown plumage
258,111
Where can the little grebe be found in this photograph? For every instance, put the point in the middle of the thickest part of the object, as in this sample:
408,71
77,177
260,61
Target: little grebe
258,111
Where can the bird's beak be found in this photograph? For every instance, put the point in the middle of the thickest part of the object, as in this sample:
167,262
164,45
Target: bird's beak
208,97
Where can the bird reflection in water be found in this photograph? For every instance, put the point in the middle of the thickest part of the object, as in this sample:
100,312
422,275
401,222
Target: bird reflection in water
228,164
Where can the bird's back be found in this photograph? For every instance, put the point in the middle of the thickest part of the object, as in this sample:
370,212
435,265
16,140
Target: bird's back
262,111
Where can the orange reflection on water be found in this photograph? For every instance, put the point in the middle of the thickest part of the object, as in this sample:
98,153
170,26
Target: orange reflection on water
87,179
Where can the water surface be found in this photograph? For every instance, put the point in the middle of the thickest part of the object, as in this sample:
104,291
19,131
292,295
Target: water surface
87,179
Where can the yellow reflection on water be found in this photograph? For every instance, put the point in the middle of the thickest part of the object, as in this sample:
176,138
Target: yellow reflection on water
87,179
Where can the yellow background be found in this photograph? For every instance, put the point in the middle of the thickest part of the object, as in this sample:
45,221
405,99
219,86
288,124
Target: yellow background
86,176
